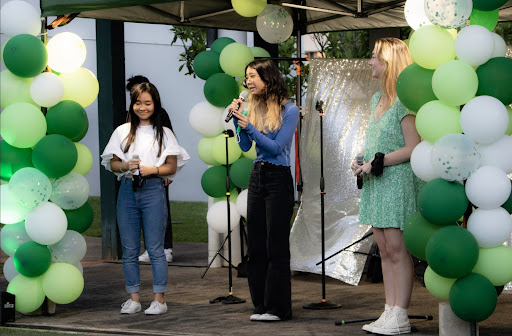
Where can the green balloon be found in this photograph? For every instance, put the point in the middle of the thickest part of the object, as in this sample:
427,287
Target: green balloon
67,118
436,119
219,44
213,181
204,150
259,52
494,263
509,128
32,259
206,63
63,283
28,291
219,149
22,125
13,159
84,161
80,219
455,83
241,86
55,155
494,78
417,232
488,5
14,89
414,87
240,172
25,55
251,153
431,46
487,19
508,204
452,252
232,197
441,202
220,89
234,58
473,298
249,8
437,285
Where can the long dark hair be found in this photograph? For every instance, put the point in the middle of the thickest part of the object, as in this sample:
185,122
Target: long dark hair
155,119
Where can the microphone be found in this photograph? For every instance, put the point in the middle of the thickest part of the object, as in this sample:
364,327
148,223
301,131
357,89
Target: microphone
136,157
243,96
359,179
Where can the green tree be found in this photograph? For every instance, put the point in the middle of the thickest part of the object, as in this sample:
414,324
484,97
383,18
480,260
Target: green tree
504,29
197,38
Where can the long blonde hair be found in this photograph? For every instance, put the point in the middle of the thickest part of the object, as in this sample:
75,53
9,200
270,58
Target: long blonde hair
265,110
395,56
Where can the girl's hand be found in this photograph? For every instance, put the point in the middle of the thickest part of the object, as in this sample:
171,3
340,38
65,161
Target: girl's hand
366,168
243,120
146,171
235,104
355,168
133,165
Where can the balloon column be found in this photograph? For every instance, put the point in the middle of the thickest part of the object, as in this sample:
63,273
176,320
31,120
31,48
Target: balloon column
465,154
219,66
44,194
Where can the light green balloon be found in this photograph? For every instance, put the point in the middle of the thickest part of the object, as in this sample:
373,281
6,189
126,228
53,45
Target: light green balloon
436,119
10,211
437,285
28,291
219,149
81,86
259,52
509,129
494,263
234,58
84,161
431,46
249,8
241,86
204,150
455,83
14,89
251,153
22,125
63,283
233,196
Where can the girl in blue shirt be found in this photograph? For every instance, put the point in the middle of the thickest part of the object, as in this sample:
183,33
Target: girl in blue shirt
271,122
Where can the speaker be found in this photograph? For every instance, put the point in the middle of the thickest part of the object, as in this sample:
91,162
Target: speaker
7,308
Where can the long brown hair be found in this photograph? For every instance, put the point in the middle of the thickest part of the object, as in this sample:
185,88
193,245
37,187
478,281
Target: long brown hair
395,56
265,110
155,119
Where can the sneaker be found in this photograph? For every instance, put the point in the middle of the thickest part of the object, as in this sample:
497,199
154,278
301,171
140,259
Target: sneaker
380,321
144,257
396,324
168,255
269,318
156,308
255,317
130,307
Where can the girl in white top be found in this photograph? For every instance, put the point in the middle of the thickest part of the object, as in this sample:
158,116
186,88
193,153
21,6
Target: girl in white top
141,153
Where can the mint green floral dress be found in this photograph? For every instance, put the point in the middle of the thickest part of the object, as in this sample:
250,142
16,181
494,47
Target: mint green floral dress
387,201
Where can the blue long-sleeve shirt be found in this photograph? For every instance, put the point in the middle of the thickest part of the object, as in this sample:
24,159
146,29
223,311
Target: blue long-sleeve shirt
273,147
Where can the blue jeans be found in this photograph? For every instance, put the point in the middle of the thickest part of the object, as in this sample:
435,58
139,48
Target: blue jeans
269,210
146,205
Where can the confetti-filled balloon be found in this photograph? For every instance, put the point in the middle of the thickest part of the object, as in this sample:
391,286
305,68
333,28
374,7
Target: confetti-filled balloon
448,13
70,191
29,187
415,16
455,157
274,24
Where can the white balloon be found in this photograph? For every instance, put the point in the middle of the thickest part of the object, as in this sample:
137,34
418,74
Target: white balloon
10,211
66,52
415,16
217,216
205,119
498,153
46,224
449,13
274,24
70,191
474,45
241,203
484,119
491,228
70,249
488,188
47,89
10,270
421,162
79,266
455,157
19,17
500,47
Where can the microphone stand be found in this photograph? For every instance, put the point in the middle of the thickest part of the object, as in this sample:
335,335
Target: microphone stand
230,298
324,304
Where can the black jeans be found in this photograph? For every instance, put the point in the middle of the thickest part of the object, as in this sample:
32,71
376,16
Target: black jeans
269,211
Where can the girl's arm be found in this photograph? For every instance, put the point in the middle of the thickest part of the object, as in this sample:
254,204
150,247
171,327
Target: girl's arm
168,168
116,165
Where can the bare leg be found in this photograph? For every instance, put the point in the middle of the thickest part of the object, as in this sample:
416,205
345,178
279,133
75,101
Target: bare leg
135,297
387,267
402,267
159,297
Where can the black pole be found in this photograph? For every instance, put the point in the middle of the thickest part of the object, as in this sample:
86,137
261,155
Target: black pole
324,304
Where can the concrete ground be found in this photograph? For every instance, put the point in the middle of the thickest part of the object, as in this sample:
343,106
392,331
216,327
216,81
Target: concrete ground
96,311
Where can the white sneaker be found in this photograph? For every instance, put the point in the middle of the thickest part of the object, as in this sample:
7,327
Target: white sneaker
396,324
144,256
130,307
255,317
380,321
168,255
269,317
156,308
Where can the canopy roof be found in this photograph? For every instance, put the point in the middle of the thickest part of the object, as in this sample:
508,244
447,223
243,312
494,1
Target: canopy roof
314,15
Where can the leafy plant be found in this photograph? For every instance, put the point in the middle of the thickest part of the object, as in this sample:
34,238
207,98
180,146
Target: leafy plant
504,29
197,38
344,44
288,49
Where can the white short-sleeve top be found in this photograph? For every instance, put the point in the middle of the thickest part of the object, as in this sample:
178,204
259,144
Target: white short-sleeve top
146,146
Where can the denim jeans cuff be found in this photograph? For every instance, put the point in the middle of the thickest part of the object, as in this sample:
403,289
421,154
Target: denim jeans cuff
133,289
159,289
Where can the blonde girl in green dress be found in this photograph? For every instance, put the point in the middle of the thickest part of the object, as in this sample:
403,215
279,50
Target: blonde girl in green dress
388,197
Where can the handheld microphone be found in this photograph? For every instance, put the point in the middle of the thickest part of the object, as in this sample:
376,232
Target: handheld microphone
238,129
359,179
243,96
136,157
